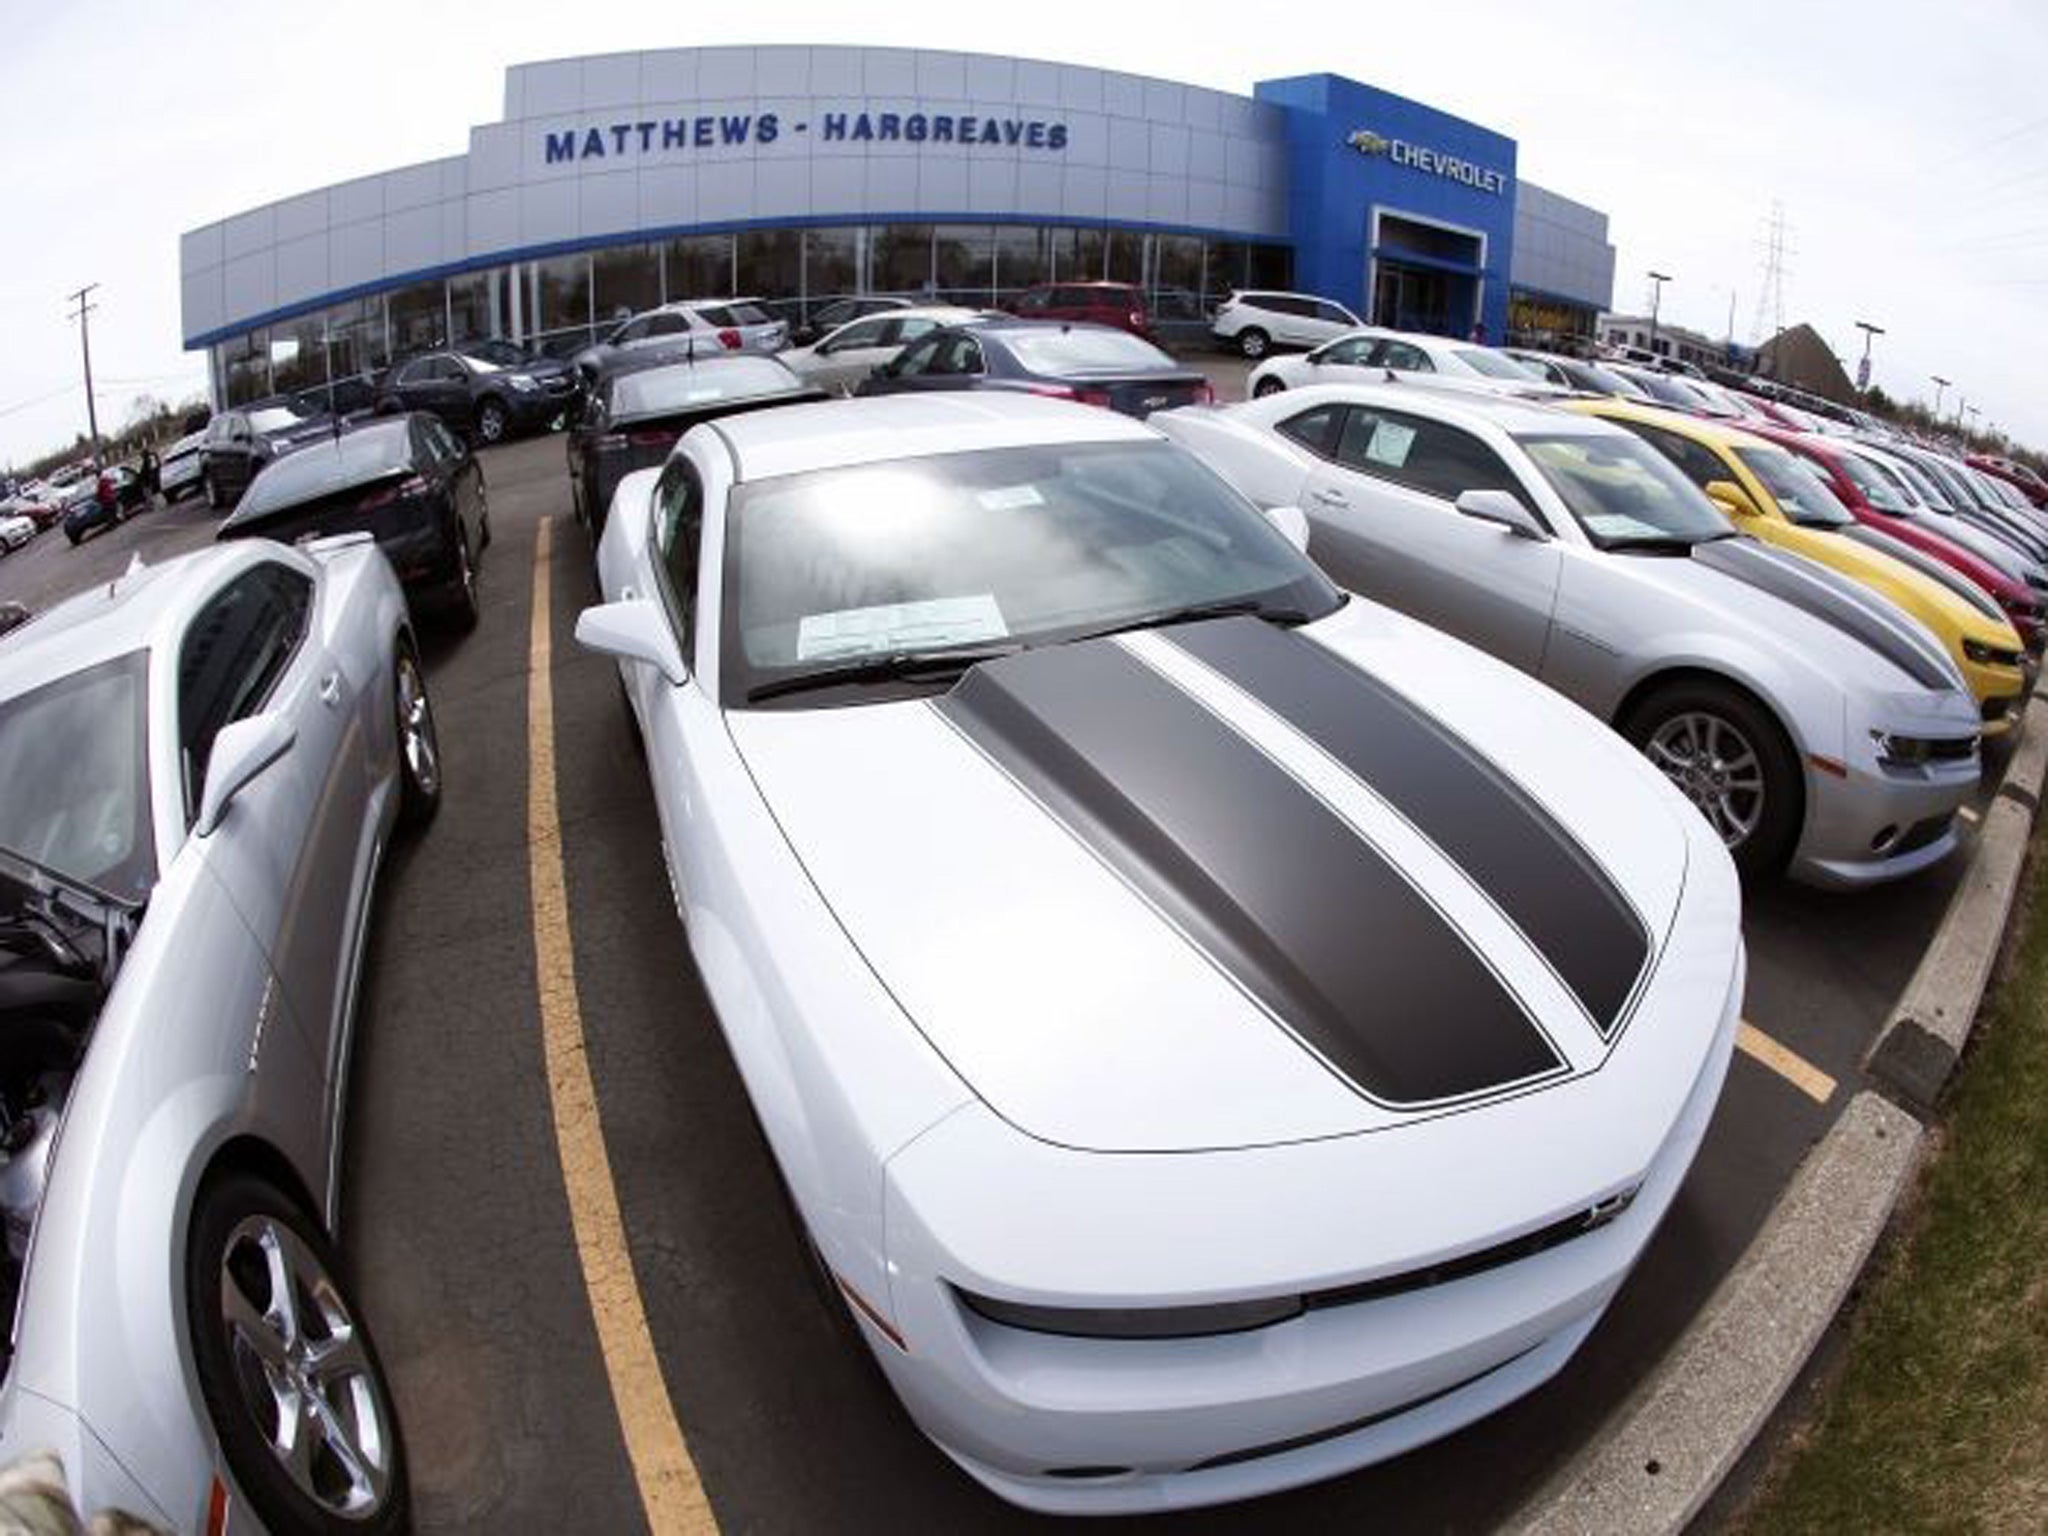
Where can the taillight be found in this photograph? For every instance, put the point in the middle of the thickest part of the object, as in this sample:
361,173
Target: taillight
1205,393
729,339
652,439
412,485
1137,320
1050,391
1092,396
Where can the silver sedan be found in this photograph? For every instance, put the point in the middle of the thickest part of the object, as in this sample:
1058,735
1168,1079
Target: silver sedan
204,760
1814,725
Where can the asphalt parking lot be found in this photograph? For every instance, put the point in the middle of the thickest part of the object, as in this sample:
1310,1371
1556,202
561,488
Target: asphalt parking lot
458,1224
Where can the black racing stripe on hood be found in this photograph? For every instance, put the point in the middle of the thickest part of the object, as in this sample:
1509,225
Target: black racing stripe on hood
1534,871
1945,576
1805,587
1304,914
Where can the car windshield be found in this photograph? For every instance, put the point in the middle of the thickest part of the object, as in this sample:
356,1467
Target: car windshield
1495,366
999,547
1625,493
479,365
1058,351
748,314
327,466
1921,483
1877,484
74,759
1801,494
274,418
503,353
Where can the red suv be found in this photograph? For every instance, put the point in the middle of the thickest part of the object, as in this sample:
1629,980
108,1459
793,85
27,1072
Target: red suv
1117,304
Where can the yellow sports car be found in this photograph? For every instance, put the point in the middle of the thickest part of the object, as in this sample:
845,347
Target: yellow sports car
1768,493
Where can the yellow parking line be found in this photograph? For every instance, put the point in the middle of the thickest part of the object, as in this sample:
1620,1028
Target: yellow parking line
670,1491
1788,1064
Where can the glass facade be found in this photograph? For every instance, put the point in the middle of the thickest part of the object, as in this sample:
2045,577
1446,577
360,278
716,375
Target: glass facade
560,303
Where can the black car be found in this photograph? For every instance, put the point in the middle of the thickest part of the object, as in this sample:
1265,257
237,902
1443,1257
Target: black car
241,443
351,397
636,411
407,481
487,400
1093,364
85,513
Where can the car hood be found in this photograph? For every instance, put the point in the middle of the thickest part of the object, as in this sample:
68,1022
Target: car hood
1230,885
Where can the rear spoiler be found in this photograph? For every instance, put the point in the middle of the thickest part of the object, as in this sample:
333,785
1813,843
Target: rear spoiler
334,543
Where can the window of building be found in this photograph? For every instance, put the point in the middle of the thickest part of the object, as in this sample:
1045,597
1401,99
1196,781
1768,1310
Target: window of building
1225,268
831,264
476,304
418,316
624,280
698,267
1078,254
1126,256
1271,266
1023,257
562,300
1176,292
246,360
964,263
771,268
900,258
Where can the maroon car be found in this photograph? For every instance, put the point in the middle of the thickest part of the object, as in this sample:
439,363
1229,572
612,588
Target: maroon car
1117,304
1879,506
2029,484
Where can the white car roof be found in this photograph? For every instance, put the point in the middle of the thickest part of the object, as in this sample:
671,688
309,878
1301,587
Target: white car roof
792,440
1460,407
111,618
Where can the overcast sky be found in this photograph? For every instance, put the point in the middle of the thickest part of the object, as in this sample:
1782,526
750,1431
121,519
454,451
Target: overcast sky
1908,143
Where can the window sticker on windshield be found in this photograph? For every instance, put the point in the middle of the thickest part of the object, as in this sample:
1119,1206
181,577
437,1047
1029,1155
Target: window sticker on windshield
1619,525
1008,498
939,621
693,395
1390,444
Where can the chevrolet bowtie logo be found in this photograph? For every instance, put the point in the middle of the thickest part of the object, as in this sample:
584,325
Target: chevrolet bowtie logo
1366,142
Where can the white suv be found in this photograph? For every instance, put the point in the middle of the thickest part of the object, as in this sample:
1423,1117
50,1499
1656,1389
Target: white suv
1255,320
690,327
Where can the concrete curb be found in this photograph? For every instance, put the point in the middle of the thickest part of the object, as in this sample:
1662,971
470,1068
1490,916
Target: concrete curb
1665,1452
1916,1052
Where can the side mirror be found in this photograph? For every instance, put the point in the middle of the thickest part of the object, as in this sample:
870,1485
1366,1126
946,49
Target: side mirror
1502,509
1315,358
1292,523
634,629
240,753
1732,499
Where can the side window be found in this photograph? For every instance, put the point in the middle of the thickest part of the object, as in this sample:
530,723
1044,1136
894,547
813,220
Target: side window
414,372
237,647
1353,350
667,323
713,315
963,357
1425,456
1033,298
866,333
917,358
678,531
1699,465
1402,357
908,330
1314,429
1326,311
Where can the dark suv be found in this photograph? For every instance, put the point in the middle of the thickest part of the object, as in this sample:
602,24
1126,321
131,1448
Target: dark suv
487,400
1117,304
241,442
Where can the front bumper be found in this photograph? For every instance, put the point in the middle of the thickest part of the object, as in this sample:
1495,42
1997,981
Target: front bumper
538,407
1876,825
1107,1426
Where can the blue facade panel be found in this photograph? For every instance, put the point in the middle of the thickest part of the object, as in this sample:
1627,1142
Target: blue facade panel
1355,152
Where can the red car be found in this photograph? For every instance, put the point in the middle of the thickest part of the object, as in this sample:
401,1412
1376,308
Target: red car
1117,304
2030,485
1877,505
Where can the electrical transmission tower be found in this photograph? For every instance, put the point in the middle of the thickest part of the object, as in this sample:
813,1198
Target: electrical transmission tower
1770,293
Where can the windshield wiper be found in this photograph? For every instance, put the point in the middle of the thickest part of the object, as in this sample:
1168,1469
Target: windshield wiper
918,666
1230,607
81,890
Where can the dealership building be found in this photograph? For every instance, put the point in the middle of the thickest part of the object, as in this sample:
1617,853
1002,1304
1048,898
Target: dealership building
796,174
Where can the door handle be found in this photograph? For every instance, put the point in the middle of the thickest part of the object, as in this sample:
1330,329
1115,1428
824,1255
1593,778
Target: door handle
1330,498
330,689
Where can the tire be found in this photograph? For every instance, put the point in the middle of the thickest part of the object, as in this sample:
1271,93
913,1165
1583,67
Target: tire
1267,386
210,488
464,605
390,405
246,1237
73,537
1253,342
491,420
1726,753
419,744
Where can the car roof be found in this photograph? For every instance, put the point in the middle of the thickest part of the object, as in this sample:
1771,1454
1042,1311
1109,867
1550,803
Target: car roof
109,618
1459,407
950,314
796,439
1720,433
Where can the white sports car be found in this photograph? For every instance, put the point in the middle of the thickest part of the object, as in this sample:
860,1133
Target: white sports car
1205,1059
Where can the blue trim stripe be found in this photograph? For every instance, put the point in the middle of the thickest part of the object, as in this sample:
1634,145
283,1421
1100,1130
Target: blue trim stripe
672,231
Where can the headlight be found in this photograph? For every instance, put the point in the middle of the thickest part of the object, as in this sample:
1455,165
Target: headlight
1917,751
1138,1322
523,384
1990,655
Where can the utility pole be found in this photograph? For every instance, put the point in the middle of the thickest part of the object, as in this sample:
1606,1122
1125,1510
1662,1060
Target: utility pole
92,414
1656,303
1939,385
1972,412
1863,368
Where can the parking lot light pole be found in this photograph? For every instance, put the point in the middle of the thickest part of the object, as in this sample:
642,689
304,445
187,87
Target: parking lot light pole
1656,303
1863,368
1939,385
92,415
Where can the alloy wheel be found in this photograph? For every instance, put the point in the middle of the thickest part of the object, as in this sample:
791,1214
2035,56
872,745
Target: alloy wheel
490,422
303,1372
1715,766
417,740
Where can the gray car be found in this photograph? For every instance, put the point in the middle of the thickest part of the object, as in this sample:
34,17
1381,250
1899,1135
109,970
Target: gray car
688,328
1812,724
205,760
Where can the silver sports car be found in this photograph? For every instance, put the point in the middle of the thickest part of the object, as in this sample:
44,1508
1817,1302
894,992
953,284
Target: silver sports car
203,762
